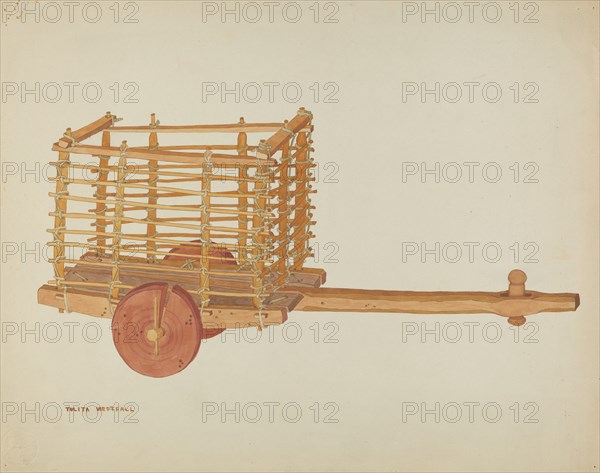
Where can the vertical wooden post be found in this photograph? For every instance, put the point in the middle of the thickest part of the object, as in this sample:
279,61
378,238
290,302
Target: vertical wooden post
62,173
152,195
119,194
242,149
205,237
301,209
516,288
258,223
101,194
283,206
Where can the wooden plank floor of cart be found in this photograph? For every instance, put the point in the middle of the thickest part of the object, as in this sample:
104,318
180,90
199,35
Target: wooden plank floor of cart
223,311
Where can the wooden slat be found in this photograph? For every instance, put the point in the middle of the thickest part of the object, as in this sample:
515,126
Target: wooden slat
225,277
189,226
299,277
170,156
87,131
96,278
226,128
296,124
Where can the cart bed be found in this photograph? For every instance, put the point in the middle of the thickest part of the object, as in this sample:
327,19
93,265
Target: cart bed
224,311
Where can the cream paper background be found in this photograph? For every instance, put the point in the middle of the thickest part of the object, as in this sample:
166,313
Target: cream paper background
370,372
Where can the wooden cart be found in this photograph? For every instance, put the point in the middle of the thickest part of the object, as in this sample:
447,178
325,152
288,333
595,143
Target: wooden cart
177,242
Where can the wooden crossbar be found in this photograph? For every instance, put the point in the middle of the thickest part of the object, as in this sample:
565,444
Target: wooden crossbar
231,128
86,131
169,156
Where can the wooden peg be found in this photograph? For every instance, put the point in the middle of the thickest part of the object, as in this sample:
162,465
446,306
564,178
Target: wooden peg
155,334
516,288
516,279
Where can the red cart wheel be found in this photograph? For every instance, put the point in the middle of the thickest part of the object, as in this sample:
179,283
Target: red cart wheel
157,329
225,258
177,254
